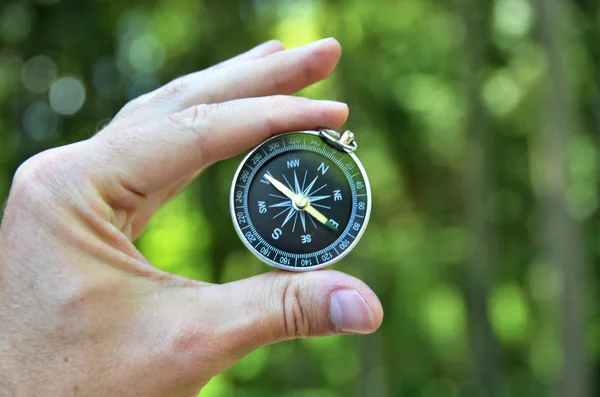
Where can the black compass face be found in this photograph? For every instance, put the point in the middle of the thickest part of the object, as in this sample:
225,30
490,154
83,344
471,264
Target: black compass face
314,176
299,203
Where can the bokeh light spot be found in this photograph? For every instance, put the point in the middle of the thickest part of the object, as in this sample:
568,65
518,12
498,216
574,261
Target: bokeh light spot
38,73
501,93
509,314
145,54
440,108
106,77
445,315
40,122
15,23
178,25
299,23
513,17
67,95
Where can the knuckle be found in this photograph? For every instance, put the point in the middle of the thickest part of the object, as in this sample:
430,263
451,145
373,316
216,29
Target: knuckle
271,124
270,117
133,106
188,343
278,86
173,90
296,317
315,70
187,338
196,119
310,71
37,174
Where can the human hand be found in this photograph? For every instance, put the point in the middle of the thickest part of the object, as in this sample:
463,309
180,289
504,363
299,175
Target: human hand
83,312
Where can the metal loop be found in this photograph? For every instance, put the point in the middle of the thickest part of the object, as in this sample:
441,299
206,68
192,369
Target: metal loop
344,141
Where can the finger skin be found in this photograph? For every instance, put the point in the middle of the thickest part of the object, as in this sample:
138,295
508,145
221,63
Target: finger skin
83,312
275,73
287,73
280,305
159,154
261,50
283,72
136,110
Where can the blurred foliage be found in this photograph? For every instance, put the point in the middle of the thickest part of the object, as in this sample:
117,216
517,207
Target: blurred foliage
478,125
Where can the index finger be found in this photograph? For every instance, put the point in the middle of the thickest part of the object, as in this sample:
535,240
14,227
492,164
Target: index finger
157,155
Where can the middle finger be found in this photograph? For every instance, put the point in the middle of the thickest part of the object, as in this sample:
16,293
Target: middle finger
283,72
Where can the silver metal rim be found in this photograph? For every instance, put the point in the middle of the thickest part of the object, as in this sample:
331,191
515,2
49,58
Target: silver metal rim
293,268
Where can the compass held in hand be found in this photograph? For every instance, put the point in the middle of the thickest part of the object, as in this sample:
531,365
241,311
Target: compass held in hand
301,201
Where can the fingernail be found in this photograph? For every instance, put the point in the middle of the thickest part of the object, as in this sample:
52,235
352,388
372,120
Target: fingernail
268,44
332,103
350,313
320,42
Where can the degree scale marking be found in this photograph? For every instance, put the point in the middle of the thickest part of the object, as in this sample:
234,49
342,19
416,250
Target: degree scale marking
331,157
327,154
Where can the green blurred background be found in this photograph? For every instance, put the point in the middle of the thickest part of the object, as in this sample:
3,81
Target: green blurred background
478,124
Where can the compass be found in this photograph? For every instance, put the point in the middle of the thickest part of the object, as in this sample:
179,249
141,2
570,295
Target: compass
301,201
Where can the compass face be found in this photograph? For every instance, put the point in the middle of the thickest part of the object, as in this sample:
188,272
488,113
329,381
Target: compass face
298,203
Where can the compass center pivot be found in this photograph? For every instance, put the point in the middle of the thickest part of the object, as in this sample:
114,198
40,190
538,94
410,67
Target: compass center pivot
301,201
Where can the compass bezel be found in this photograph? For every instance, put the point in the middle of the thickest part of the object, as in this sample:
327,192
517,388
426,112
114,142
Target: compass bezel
257,253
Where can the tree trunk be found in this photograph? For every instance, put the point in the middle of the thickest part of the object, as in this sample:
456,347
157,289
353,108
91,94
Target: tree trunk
560,234
478,184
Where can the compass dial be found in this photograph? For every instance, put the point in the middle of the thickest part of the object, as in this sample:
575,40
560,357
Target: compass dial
299,203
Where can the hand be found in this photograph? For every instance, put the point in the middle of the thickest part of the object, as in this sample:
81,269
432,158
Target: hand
82,311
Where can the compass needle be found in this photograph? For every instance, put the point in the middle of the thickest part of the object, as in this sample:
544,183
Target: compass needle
320,217
292,177
281,187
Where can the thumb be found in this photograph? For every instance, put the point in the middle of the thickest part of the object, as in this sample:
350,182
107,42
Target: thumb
280,305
